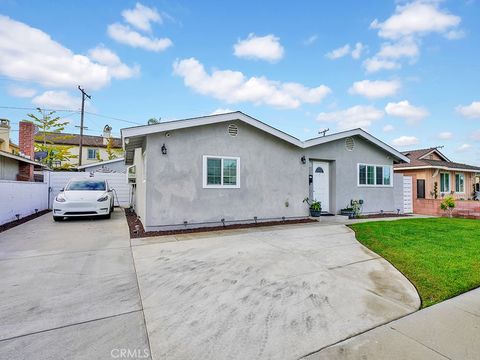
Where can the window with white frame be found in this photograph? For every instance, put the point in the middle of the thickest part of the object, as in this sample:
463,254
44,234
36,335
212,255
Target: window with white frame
460,183
92,154
444,182
221,172
374,175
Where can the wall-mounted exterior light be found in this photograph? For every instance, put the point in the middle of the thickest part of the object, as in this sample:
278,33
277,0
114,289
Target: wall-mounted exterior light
303,159
164,149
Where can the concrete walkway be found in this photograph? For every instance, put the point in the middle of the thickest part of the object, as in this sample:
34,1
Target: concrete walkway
69,290
264,293
449,330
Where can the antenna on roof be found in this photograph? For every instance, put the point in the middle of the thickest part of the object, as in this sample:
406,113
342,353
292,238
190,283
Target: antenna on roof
439,147
324,131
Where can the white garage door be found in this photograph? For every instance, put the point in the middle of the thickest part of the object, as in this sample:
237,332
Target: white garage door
407,195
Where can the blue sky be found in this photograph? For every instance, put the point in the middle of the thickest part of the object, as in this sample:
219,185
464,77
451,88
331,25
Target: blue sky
408,72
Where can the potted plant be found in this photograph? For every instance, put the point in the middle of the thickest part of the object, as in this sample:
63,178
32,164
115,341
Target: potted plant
315,207
348,211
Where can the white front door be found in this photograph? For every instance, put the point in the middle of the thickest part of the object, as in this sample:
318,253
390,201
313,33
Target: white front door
321,184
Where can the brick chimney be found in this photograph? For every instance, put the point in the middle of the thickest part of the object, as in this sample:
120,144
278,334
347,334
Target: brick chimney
26,138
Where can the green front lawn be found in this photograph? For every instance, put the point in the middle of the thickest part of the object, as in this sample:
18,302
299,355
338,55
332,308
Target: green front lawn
440,256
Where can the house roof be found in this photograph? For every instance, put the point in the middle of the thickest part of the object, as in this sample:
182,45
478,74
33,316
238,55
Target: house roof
74,139
19,158
86,166
135,134
418,160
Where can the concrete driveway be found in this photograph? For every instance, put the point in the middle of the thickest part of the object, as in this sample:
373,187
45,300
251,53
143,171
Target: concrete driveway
265,293
69,291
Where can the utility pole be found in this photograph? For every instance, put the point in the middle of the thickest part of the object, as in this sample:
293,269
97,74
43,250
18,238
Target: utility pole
84,94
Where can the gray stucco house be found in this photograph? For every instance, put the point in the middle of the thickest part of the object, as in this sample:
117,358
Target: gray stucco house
232,167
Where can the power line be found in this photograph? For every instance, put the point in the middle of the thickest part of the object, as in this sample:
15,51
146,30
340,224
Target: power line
113,118
32,108
73,111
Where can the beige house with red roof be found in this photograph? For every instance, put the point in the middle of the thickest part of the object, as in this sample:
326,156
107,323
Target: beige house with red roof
437,176
94,147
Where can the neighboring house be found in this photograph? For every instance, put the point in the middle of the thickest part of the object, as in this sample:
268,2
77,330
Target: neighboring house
16,168
436,175
108,166
20,168
232,167
94,147
6,144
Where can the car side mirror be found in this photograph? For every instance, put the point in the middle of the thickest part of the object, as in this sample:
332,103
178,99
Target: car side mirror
62,189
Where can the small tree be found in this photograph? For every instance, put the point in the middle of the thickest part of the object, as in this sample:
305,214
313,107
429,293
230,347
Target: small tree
110,152
48,124
448,204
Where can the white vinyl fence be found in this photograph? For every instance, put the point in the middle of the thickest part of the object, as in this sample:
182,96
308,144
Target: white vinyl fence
117,181
21,198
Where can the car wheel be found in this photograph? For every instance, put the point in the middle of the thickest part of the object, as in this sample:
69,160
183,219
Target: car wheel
57,218
108,216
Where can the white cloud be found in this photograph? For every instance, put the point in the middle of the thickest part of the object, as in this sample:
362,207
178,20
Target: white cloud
124,35
266,47
445,135
310,40
455,34
221,111
403,48
339,53
359,116
20,91
388,128
115,66
141,17
29,54
405,141
56,99
375,64
416,18
410,22
403,109
464,147
471,111
375,89
357,51
232,86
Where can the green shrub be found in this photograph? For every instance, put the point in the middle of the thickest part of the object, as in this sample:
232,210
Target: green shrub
448,204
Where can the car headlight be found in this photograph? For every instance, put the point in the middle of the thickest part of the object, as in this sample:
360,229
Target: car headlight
103,198
60,198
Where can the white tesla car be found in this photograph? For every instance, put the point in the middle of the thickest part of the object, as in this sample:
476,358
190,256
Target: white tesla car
84,197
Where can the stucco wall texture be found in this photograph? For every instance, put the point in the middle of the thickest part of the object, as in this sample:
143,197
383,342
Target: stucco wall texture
273,179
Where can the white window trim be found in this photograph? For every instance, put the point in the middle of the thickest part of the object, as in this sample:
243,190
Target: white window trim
95,152
449,183
374,175
460,192
221,186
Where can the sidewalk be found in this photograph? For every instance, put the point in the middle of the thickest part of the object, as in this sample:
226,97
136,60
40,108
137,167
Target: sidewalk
449,330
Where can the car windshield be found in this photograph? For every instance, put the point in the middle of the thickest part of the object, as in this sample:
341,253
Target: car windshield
86,185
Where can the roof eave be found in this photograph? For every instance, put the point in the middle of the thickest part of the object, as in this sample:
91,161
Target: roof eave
435,167
357,132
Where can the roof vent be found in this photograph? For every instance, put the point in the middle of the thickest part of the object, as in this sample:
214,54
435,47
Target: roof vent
349,144
233,130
